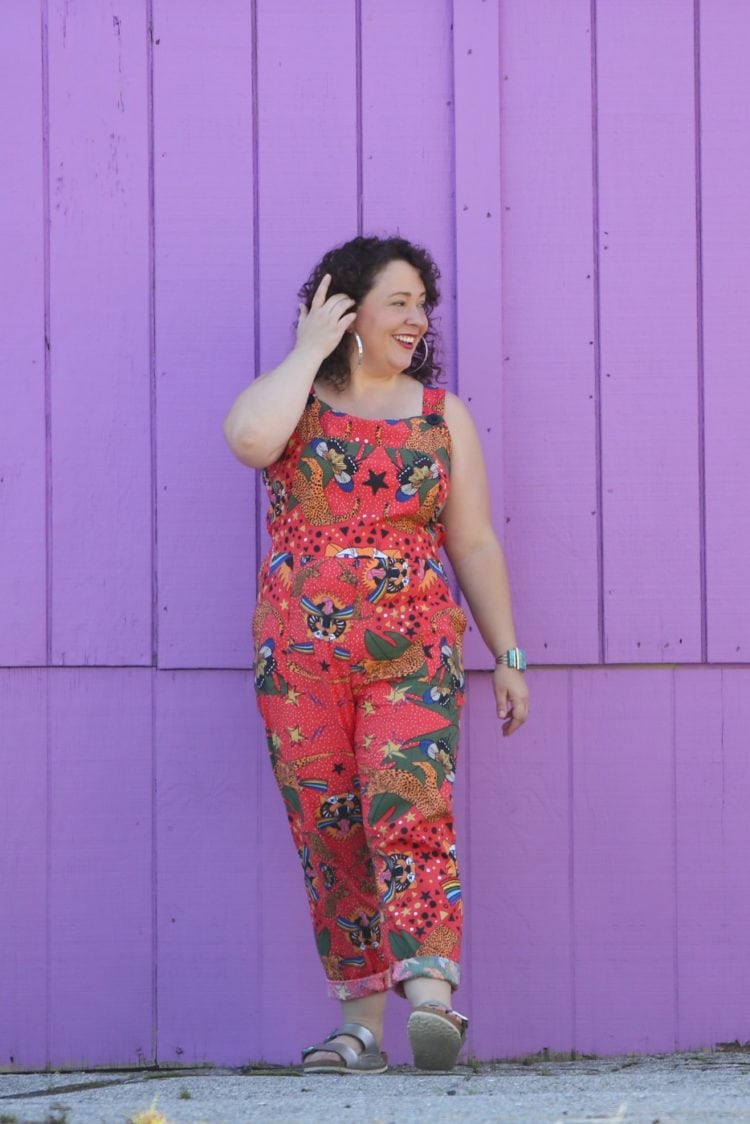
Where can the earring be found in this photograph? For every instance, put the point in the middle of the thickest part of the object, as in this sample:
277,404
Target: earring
360,349
426,356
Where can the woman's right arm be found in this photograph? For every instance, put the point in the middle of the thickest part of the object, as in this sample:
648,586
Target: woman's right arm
263,417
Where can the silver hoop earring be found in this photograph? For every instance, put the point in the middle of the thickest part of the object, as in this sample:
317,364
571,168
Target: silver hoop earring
360,349
426,356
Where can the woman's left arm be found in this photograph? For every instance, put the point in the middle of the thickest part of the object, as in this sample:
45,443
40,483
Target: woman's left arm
478,561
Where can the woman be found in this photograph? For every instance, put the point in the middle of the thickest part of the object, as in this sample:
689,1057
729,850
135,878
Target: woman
370,470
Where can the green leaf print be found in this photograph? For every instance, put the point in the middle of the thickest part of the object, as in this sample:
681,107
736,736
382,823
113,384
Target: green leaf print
448,733
409,456
426,487
382,649
418,697
274,747
403,944
292,798
323,941
269,687
442,455
387,804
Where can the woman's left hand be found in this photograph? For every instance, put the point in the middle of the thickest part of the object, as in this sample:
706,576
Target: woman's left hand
511,696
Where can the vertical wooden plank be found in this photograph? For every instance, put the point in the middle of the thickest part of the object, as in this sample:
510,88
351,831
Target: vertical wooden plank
518,892
99,300
725,183
713,841
100,895
23,869
407,126
203,128
477,225
307,106
623,854
209,859
549,440
647,262
295,1008
22,287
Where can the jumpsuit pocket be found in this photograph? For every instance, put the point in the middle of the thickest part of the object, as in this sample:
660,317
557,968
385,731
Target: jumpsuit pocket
324,610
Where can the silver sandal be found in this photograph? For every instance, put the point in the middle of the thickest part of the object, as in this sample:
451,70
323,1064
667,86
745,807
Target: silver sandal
436,1034
368,1060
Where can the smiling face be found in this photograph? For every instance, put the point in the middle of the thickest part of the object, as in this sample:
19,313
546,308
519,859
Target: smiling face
391,319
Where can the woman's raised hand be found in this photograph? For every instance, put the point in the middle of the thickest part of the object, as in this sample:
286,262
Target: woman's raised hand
320,329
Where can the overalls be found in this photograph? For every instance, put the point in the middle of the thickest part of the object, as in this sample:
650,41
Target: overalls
360,682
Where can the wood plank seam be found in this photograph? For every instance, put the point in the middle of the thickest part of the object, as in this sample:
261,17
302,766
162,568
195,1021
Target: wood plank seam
597,309
700,338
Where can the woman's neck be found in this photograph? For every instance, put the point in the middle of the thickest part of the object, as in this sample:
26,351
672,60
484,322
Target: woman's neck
393,395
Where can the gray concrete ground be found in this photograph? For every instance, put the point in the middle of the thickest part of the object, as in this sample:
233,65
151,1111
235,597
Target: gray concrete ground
704,1087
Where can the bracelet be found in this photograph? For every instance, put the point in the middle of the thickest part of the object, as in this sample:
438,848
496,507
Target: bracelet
514,657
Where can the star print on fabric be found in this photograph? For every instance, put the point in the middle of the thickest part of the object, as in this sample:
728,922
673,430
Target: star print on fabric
324,666
375,481
398,693
338,767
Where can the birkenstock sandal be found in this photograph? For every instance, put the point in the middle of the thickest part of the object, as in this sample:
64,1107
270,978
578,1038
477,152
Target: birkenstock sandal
368,1060
436,1034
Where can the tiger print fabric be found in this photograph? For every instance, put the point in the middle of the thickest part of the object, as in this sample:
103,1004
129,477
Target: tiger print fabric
360,683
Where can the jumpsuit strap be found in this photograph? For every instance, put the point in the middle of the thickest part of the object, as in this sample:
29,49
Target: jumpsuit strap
433,401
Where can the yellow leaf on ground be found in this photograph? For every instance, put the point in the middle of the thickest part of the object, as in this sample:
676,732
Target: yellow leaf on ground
150,1116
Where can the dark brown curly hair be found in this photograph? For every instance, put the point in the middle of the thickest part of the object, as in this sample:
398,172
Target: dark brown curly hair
354,267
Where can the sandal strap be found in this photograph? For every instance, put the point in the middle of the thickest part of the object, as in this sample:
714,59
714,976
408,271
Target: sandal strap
346,1052
362,1033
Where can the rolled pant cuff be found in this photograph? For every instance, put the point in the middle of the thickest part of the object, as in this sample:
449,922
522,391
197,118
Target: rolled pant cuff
425,967
358,989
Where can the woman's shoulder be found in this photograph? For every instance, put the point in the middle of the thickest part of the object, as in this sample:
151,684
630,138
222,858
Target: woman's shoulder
456,411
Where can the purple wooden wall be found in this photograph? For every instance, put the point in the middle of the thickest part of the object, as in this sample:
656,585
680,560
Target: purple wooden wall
171,170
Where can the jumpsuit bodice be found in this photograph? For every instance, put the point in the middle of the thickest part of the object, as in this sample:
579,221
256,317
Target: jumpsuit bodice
353,570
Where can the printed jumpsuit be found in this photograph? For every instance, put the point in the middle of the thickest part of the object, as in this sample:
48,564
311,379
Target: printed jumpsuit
359,681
